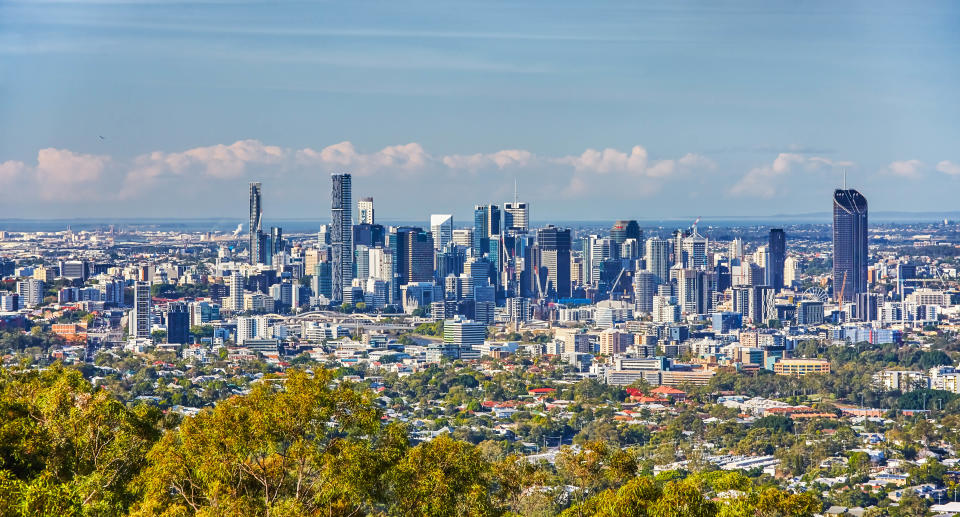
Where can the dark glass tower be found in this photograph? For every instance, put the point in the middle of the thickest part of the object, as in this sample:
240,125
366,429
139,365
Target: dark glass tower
554,269
414,255
256,224
341,236
849,244
623,230
776,257
178,323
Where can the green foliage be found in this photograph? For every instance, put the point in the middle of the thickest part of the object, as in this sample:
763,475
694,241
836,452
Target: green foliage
430,329
309,444
177,291
202,331
932,358
66,448
777,423
925,398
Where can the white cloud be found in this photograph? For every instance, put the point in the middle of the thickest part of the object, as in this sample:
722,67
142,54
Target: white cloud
500,159
64,174
906,168
948,167
608,160
405,157
219,161
766,181
10,171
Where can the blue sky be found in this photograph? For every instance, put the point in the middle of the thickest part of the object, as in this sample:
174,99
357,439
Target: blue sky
598,109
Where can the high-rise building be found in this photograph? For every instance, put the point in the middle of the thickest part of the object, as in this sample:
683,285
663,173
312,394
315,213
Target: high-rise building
777,255
736,248
694,288
464,333
178,323
518,309
365,211
623,230
341,235
554,268
791,271
140,315
658,258
413,253
516,216
644,289
762,305
323,279
74,269
441,226
369,235
276,241
235,300
361,257
486,222
849,244
256,223
463,237
31,292
695,248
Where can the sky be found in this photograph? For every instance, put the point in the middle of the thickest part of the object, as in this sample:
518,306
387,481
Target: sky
595,110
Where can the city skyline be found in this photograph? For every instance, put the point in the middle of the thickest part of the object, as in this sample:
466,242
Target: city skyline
170,105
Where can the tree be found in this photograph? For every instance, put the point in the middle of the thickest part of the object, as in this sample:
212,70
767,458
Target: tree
66,448
279,450
442,477
202,330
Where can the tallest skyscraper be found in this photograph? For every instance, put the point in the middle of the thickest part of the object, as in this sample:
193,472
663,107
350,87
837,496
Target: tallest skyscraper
256,223
849,244
341,235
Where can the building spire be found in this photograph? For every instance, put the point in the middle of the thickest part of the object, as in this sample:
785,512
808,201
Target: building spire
515,194
844,178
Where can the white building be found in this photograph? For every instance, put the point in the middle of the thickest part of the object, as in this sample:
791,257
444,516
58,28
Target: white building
235,299
441,226
140,321
31,292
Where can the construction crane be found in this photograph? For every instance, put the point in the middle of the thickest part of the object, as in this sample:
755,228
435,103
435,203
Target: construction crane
843,287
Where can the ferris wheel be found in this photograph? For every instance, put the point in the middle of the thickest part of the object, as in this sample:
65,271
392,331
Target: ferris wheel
816,293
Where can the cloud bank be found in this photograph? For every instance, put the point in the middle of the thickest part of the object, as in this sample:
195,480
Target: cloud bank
768,181
410,176
65,173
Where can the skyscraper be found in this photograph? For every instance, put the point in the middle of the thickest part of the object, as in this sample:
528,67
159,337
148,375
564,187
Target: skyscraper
644,289
140,315
486,222
481,238
365,211
554,267
623,230
695,248
658,258
178,323
235,300
516,216
341,235
441,226
256,223
849,244
777,255
413,254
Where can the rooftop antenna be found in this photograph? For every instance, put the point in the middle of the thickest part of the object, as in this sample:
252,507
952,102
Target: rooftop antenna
515,196
844,178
